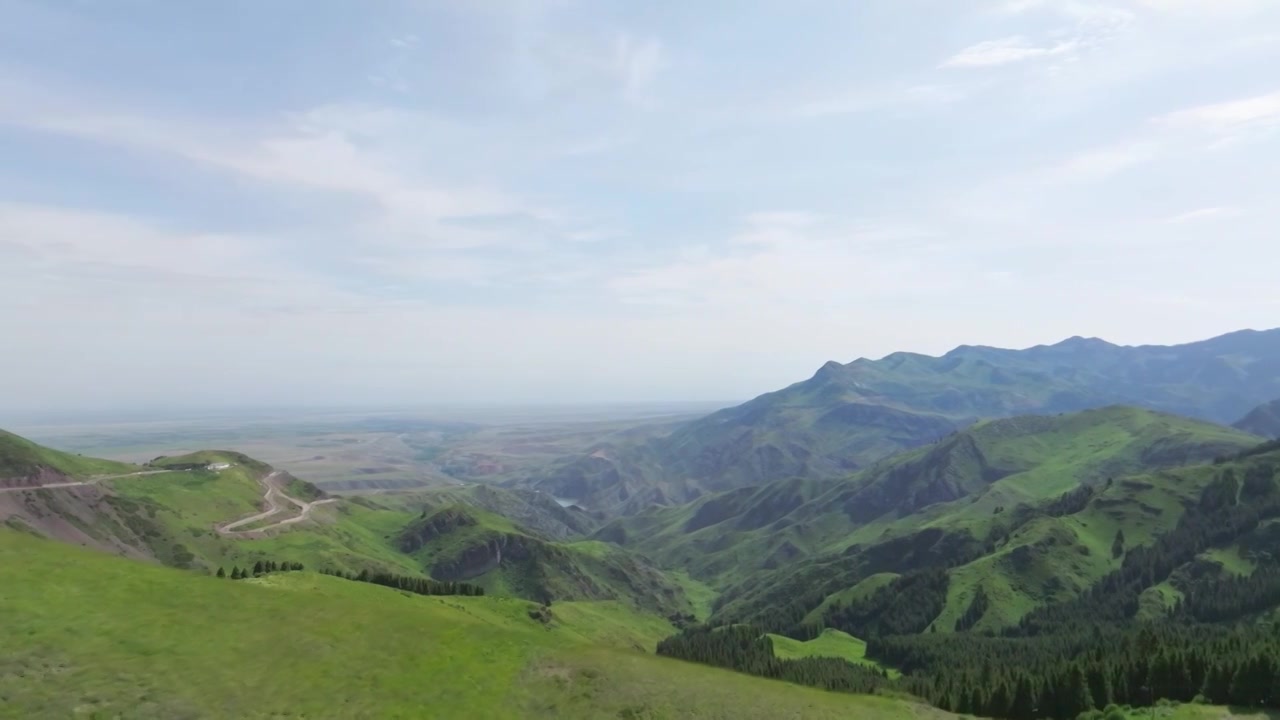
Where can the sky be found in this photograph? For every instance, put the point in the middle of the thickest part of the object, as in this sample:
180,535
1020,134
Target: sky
249,203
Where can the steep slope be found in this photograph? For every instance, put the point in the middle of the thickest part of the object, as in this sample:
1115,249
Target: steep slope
958,484
1263,420
1212,521
26,464
87,634
171,510
461,543
534,510
972,498
224,509
816,429
848,416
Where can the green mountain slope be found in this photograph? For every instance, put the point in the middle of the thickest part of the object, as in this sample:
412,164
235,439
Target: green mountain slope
846,417
1048,553
459,543
177,510
536,511
89,635
966,503
1263,420
959,483
170,511
24,463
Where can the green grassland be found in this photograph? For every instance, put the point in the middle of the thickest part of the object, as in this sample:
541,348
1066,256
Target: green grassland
89,635
175,514
965,488
862,590
20,458
171,511
831,643
467,543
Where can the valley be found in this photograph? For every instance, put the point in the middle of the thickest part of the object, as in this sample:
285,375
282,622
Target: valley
563,360
842,533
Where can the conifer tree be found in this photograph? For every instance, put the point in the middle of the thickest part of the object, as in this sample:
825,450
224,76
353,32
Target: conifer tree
1117,546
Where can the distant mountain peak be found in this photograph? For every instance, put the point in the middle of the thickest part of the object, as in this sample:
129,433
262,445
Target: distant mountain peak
1264,420
828,369
1078,341
967,349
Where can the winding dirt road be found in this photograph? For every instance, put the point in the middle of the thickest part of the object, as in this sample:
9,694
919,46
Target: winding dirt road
273,497
276,499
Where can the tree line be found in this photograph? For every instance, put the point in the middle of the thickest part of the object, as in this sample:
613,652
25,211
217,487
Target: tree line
417,585
261,567
1062,660
1061,676
749,650
1227,510
1023,678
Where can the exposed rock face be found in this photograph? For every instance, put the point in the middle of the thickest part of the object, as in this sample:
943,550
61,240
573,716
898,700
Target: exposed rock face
86,515
42,476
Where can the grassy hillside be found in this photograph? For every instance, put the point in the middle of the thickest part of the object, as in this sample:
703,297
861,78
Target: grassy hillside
172,510
1263,420
23,459
831,643
846,417
960,484
89,635
469,544
536,511
986,502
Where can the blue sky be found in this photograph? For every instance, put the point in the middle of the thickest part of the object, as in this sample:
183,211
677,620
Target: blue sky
521,201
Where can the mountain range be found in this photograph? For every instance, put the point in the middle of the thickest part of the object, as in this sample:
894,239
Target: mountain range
846,417
1005,533
974,495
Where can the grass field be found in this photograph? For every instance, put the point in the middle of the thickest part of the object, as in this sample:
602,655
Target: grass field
181,508
90,635
700,595
20,457
831,643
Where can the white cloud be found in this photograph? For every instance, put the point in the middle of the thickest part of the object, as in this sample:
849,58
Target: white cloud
1231,121
638,62
118,264
403,219
1091,25
1209,8
797,262
922,96
589,66
1208,213
1004,51
470,233
56,237
1102,163
316,150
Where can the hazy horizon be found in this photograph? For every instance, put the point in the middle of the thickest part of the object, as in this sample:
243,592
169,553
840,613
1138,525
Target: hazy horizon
546,202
